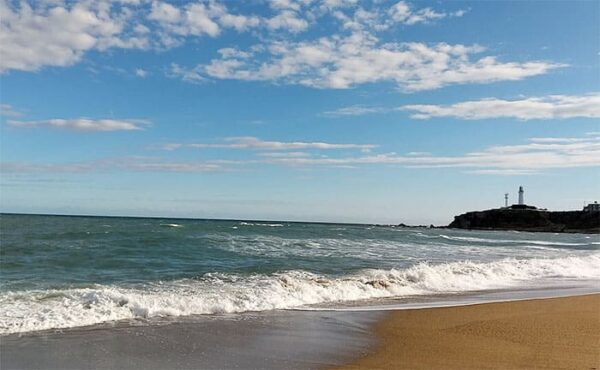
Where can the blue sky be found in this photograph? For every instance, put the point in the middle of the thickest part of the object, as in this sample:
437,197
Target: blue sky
315,110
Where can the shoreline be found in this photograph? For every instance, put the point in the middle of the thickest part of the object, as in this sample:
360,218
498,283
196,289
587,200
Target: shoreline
347,339
382,304
561,333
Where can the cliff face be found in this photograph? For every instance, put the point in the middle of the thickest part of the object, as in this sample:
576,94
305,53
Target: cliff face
529,220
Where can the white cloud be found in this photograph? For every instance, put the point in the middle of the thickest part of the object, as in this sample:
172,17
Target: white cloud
354,110
293,16
547,107
23,167
55,33
285,154
418,154
253,143
503,172
285,4
379,18
187,75
141,72
233,53
362,20
239,22
84,124
48,35
193,19
197,19
343,62
141,29
164,13
287,20
137,164
558,139
174,167
402,12
7,110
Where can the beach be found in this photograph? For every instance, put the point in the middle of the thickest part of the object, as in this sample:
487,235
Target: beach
557,333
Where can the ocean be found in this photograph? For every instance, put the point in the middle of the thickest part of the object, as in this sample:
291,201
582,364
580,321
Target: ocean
69,271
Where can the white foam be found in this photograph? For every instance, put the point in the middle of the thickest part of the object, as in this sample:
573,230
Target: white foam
260,224
517,241
171,225
223,293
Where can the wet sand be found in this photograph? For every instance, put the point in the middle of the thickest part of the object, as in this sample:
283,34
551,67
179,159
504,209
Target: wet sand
557,333
271,340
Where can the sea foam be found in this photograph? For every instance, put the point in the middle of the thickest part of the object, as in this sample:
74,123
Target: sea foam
213,293
511,241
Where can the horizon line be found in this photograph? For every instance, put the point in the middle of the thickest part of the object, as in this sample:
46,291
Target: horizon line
211,219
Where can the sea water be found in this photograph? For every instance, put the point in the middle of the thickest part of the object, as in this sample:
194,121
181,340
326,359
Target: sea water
63,271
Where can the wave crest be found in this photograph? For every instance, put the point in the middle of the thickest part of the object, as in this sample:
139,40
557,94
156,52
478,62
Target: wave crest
226,293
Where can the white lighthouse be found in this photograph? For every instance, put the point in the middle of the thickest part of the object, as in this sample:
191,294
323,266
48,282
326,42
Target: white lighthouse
521,202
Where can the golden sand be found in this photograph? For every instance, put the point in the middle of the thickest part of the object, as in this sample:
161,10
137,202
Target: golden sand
557,333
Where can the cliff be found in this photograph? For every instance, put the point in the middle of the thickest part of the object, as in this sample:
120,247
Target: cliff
530,219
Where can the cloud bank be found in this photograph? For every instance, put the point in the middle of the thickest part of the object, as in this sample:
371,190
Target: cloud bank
253,143
340,62
547,107
524,109
34,35
535,156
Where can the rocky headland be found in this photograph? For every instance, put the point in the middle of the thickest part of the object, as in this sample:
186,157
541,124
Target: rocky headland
527,218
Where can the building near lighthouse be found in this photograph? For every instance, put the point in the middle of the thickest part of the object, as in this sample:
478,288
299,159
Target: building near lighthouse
592,207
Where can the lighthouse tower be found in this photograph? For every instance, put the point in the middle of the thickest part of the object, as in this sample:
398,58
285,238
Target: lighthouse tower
521,202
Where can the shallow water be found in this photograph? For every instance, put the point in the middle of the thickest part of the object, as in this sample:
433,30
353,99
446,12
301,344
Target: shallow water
59,272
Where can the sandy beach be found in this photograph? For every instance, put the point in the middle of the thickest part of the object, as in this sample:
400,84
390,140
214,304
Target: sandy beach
558,333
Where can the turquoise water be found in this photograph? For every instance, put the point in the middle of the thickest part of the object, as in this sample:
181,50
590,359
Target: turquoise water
59,271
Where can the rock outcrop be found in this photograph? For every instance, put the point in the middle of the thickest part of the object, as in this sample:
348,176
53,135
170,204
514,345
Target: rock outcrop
529,219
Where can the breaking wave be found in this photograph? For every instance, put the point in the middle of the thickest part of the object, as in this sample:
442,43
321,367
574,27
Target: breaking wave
260,224
34,310
171,225
510,241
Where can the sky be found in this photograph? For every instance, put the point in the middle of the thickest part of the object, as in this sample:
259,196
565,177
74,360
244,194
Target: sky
308,110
